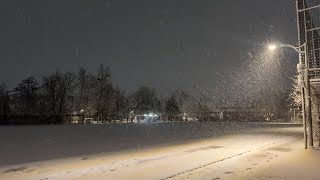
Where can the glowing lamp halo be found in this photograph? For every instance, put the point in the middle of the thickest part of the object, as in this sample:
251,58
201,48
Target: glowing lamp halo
272,47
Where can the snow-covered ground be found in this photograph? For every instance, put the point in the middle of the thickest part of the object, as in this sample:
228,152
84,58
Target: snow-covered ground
22,144
244,154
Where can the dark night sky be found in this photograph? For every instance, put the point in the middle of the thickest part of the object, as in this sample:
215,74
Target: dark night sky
166,44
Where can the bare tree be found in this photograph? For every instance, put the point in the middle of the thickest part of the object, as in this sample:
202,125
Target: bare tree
146,100
4,106
185,102
104,91
26,96
122,106
3,88
89,96
49,88
171,107
66,87
82,85
56,87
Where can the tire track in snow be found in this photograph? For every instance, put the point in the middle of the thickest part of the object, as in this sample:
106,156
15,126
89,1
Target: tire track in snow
227,158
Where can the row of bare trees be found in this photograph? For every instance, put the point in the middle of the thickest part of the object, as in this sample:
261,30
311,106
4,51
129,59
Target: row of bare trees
81,93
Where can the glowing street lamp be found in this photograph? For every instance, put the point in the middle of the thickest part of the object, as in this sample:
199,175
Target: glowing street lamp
304,83
272,47
277,45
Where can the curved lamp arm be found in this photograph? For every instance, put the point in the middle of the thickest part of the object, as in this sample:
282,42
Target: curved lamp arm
297,49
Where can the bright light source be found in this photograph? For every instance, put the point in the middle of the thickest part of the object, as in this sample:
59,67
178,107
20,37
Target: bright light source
82,110
272,47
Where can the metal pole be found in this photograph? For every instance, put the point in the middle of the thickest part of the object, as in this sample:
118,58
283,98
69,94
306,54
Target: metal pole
308,97
308,108
301,83
304,117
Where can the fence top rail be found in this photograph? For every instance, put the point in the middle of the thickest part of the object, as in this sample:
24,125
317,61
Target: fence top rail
309,8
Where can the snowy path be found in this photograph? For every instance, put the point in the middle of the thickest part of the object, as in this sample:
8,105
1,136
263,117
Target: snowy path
212,158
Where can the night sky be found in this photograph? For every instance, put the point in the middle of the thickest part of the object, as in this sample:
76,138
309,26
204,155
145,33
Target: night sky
166,44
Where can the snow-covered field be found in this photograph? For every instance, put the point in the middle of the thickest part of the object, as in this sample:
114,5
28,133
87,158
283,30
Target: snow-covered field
141,151
21,144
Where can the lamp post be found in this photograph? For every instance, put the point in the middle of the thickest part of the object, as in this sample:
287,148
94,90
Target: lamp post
304,83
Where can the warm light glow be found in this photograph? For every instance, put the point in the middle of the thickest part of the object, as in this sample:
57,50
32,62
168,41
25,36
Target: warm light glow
272,47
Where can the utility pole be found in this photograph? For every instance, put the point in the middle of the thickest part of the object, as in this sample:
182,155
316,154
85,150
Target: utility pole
306,95
301,82
308,107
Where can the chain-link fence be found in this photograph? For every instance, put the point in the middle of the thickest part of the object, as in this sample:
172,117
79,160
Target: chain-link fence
308,20
308,12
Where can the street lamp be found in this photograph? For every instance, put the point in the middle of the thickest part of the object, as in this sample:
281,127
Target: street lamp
272,47
275,46
304,83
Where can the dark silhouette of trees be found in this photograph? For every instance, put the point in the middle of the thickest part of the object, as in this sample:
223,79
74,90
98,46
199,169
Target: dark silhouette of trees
56,88
185,102
171,107
83,96
82,83
49,88
104,102
26,96
122,105
4,98
145,100
202,110
66,88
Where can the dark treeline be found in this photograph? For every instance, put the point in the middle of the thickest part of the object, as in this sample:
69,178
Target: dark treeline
59,97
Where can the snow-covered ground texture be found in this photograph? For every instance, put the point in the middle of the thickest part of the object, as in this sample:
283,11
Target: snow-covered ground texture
21,144
179,155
